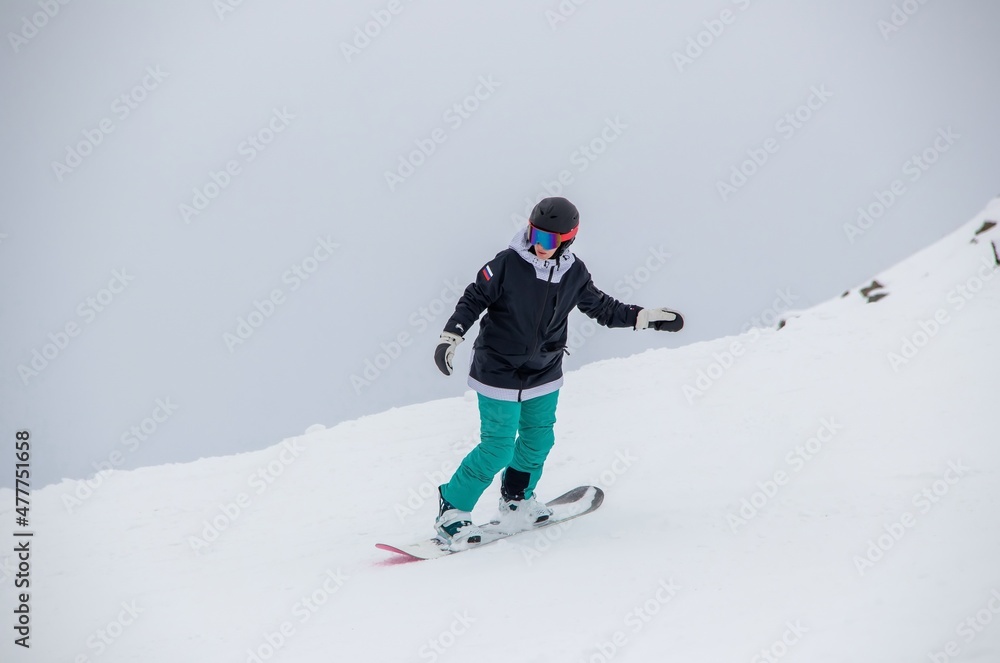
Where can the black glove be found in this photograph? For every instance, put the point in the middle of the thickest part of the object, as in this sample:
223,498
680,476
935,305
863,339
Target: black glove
660,319
445,351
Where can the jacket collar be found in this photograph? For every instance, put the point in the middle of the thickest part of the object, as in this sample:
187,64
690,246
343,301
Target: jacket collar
520,244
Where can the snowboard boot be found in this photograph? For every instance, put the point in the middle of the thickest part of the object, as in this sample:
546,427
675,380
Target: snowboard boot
455,527
518,513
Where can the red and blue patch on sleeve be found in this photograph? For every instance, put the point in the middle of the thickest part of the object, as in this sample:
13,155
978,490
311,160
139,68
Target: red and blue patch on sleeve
487,273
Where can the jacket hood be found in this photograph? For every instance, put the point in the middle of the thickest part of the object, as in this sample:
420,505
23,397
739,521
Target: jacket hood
520,244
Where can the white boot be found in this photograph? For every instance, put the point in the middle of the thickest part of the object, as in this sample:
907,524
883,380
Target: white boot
521,515
455,527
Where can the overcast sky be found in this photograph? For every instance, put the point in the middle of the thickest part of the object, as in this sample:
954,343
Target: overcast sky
223,224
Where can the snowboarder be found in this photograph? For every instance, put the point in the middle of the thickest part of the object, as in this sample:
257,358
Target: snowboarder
527,291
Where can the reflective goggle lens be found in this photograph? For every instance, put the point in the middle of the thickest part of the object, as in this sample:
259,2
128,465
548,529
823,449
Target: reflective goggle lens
547,240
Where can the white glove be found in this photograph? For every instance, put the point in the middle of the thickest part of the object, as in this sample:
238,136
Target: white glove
445,352
660,319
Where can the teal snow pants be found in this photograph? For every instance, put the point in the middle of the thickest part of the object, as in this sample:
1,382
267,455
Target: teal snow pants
515,435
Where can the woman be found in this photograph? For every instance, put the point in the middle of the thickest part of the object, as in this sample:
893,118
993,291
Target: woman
527,291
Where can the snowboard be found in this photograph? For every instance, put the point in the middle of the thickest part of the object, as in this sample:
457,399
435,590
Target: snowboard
577,502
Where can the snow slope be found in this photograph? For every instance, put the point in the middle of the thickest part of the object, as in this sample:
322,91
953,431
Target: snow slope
799,493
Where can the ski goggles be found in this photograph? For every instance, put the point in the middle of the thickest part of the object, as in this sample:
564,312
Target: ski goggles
548,240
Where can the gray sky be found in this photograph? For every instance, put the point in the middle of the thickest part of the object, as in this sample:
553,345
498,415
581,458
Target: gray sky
170,169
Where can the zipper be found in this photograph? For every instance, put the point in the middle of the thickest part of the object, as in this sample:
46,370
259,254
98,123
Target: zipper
541,314
538,324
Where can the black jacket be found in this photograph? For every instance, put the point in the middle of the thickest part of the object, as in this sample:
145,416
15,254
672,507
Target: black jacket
518,353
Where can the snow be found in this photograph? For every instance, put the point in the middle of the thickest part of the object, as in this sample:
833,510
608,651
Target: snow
868,531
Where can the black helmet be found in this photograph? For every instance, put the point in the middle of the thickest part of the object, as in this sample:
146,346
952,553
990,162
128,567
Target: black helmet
556,215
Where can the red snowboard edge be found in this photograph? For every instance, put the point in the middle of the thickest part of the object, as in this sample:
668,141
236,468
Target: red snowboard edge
383,546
